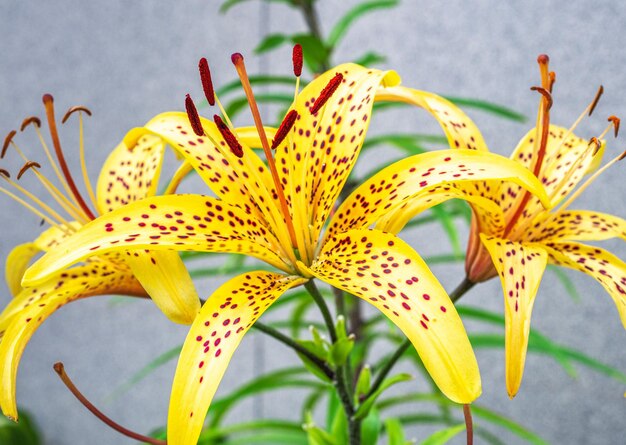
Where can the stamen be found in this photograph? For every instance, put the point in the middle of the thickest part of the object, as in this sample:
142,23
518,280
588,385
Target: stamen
296,57
30,120
5,173
326,93
32,209
285,127
7,142
74,109
594,140
596,99
207,83
469,426
49,105
229,137
60,370
552,75
545,93
237,60
25,167
193,116
615,121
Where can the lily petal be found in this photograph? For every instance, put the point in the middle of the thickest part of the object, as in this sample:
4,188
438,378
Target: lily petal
323,147
130,173
418,179
17,262
96,278
172,222
386,272
457,126
605,267
165,278
213,338
520,267
578,225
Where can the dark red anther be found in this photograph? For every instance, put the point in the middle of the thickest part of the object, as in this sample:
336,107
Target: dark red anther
7,142
30,120
73,110
297,59
207,82
236,58
545,93
596,99
29,164
229,137
5,173
615,120
594,140
543,59
194,117
285,127
622,156
326,93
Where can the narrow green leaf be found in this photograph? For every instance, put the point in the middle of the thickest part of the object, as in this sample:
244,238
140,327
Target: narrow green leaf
272,426
24,432
239,104
370,58
230,3
315,52
395,433
367,404
443,436
489,107
256,80
566,281
371,428
316,435
271,42
504,422
447,223
344,23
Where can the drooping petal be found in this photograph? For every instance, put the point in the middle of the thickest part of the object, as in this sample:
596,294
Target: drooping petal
605,267
34,306
130,173
16,264
244,182
213,338
520,267
386,272
165,278
172,222
418,180
322,148
457,126
578,225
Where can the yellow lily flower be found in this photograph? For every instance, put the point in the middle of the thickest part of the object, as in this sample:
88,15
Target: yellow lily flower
533,236
278,214
127,175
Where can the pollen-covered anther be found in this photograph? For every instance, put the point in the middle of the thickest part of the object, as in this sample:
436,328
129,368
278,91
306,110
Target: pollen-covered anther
193,116
75,109
326,93
229,137
596,99
615,121
598,144
34,120
545,93
25,167
622,156
207,82
285,127
5,173
296,57
7,142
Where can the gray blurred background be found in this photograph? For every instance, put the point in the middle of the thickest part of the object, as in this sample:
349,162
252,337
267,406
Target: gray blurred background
130,60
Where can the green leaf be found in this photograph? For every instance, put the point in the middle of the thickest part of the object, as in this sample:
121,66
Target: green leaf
443,436
271,42
395,433
566,281
316,435
344,23
489,107
315,52
370,428
280,429
239,104
363,383
340,350
338,422
447,223
23,432
370,58
257,80
230,3
368,403
504,422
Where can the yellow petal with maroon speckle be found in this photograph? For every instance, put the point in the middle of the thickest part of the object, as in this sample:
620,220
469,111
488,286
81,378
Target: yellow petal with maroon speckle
413,178
520,267
16,264
130,173
165,278
605,267
36,304
172,222
386,272
213,338
578,225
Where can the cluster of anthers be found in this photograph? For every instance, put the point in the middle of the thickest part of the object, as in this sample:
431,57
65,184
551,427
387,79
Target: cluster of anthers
226,129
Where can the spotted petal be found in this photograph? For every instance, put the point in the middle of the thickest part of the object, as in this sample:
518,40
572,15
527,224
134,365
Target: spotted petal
172,222
130,173
605,267
213,338
520,267
323,147
34,306
578,225
386,272
418,180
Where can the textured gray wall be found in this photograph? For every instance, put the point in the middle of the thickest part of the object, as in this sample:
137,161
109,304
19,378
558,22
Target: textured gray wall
129,60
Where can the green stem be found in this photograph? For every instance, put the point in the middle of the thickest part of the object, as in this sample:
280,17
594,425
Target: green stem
319,300
461,289
276,334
